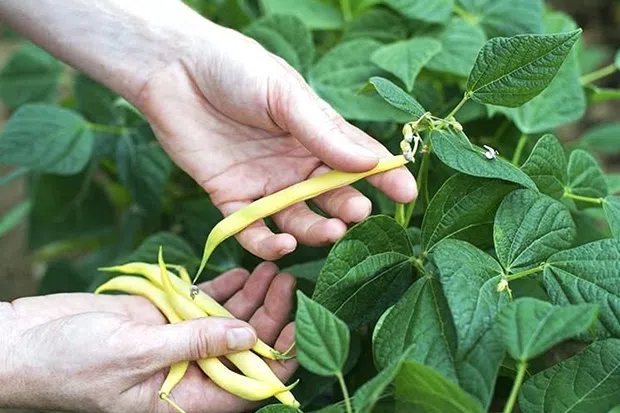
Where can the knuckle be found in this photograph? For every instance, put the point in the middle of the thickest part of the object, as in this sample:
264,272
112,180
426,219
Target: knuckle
202,345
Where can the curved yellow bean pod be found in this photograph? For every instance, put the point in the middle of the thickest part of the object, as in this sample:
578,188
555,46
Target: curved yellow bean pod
202,299
244,387
249,363
280,200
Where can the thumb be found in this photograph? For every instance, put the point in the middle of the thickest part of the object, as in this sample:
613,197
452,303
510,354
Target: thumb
200,339
326,134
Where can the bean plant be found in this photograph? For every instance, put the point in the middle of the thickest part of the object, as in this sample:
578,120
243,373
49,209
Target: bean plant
497,289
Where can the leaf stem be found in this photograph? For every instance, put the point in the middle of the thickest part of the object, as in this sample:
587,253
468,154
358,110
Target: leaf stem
111,129
598,74
519,150
421,180
459,106
345,392
525,273
521,369
569,195
345,6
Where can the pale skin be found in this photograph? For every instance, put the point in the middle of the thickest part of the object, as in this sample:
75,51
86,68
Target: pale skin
240,121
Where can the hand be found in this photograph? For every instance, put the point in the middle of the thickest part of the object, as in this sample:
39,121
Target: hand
244,124
110,353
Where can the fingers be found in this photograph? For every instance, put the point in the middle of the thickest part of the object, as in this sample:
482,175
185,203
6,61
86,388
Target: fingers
275,313
197,339
224,286
246,301
309,227
285,369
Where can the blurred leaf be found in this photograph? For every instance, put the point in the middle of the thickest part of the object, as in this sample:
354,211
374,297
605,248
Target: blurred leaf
604,138
314,13
62,277
434,11
14,216
178,251
95,101
378,24
506,17
611,206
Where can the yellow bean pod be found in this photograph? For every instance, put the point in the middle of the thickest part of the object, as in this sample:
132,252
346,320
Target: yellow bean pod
202,299
249,363
244,387
283,199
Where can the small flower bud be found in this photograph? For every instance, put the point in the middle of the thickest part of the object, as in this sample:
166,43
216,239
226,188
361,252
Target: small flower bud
407,129
502,286
405,146
409,156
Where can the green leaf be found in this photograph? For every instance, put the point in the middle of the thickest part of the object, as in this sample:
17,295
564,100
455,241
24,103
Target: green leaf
14,216
592,57
30,75
405,59
378,24
506,17
278,408
420,318
395,96
530,326
617,60
588,274
80,210
613,183
419,388
611,206
460,43
585,176
529,228
587,382
342,72
145,170
511,71
469,278
603,138
365,271
322,340
286,36
367,396
62,277
96,102
47,139
547,166
315,14
563,101
177,250
463,208
433,11
455,151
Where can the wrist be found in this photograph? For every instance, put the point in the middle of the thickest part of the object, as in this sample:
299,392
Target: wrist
8,379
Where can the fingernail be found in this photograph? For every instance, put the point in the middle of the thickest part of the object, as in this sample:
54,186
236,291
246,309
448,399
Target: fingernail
240,338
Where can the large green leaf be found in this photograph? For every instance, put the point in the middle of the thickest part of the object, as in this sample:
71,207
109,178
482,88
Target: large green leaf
321,339
588,274
563,101
587,382
463,208
47,139
611,206
511,71
395,96
455,151
603,138
278,408
420,318
530,326
287,36
419,388
314,13
506,17
378,24
585,176
96,102
469,278
29,75
342,72
177,250
460,43
405,59
547,166
434,11
529,228
365,271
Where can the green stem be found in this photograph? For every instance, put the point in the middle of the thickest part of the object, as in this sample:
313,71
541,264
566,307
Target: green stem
461,12
11,176
111,129
345,392
399,215
569,195
598,74
422,187
522,368
524,273
520,145
459,106
345,6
